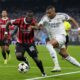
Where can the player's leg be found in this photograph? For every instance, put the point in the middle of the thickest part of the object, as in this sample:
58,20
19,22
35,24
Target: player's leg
63,51
8,51
66,44
7,43
32,51
4,54
53,54
20,50
69,58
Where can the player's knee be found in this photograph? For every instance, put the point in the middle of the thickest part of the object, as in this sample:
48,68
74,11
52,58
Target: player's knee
64,55
19,57
3,50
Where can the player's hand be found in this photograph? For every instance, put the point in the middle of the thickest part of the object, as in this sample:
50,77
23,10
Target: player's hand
79,30
6,35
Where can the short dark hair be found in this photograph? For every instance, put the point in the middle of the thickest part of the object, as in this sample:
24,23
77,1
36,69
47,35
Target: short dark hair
50,7
30,13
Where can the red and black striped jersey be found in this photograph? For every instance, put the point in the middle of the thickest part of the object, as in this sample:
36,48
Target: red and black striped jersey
3,27
25,32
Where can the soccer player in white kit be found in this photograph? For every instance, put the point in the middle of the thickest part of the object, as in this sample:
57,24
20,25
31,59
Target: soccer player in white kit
53,22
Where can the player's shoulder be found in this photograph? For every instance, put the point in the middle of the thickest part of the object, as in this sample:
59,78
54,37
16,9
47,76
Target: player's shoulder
62,14
0,19
19,19
45,17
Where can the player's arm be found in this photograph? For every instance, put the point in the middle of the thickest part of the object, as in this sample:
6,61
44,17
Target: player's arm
14,22
15,31
67,17
7,26
41,23
37,26
74,22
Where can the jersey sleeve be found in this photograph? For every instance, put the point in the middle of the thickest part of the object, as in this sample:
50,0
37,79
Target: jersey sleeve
42,21
15,21
66,16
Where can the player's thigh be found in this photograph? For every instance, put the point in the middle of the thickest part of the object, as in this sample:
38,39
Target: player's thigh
32,50
19,49
52,41
6,47
2,43
63,52
7,42
61,39
3,48
58,41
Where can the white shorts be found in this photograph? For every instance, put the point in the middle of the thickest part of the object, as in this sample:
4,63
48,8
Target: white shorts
61,39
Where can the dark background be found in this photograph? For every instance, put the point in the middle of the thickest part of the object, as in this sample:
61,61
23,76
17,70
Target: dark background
38,5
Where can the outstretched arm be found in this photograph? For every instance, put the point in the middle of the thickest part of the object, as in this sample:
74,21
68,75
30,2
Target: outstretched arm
15,31
7,25
75,22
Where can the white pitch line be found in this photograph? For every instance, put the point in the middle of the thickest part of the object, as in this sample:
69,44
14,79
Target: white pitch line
37,78
35,67
48,67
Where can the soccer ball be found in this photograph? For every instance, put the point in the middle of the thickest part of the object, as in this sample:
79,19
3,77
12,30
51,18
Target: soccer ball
23,67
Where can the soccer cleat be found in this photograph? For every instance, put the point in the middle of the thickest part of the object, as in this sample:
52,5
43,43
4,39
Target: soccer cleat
44,75
56,69
5,61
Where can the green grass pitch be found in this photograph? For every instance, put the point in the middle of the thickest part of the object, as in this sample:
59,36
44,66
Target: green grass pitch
10,72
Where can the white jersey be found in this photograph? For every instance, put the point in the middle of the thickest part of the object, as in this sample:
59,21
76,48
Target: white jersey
55,26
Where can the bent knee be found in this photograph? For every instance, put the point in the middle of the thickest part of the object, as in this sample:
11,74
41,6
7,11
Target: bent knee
19,56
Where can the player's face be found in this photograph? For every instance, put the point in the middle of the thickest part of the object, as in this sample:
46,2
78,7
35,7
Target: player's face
4,14
51,13
29,17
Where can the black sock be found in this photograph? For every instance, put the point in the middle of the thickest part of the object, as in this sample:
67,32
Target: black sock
39,64
26,61
4,54
23,59
8,52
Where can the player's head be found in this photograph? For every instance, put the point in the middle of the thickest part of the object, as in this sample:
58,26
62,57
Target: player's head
29,16
4,13
50,11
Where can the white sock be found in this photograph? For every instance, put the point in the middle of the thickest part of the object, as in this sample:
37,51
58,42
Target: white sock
73,61
53,54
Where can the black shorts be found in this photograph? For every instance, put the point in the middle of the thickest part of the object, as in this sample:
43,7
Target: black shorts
67,40
5,42
30,48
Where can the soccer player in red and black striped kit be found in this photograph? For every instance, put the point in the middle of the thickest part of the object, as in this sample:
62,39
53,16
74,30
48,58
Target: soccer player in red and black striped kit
25,39
4,36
